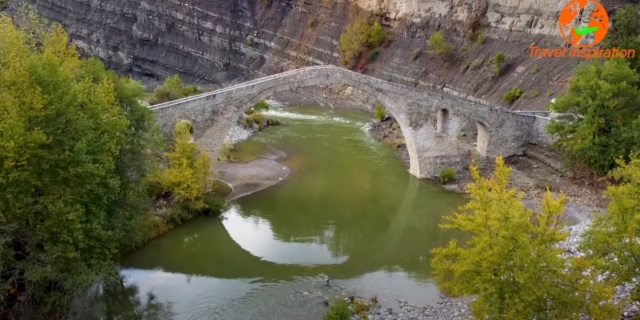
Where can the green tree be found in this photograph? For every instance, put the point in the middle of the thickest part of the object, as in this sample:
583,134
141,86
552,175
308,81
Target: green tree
511,264
437,44
189,174
376,35
625,33
603,99
75,147
172,89
612,239
353,41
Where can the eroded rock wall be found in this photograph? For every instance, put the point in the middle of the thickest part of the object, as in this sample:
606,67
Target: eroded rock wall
220,42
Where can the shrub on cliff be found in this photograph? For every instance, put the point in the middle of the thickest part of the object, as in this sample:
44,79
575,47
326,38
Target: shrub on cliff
512,95
437,44
511,263
260,106
172,89
358,37
76,148
603,99
498,61
612,240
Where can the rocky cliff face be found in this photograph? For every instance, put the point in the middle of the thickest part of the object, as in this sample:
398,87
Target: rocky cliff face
219,42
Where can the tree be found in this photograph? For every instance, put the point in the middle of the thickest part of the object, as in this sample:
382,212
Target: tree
437,45
353,41
603,100
189,173
612,239
512,264
376,35
172,89
75,148
625,33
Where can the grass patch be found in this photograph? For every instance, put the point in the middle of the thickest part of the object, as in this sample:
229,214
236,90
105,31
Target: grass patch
534,69
533,93
447,175
339,310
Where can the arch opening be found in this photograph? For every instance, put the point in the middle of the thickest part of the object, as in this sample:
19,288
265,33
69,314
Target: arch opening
442,125
482,140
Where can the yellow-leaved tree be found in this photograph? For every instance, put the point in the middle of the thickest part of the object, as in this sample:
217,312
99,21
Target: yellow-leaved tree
189,174
511,262
612,240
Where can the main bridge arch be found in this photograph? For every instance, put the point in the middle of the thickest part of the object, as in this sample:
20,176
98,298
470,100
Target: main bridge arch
417,111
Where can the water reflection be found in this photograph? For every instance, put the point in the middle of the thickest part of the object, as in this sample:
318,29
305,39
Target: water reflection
255,235
123,301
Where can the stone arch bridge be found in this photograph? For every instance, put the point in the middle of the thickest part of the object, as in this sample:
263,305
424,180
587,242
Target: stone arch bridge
430,119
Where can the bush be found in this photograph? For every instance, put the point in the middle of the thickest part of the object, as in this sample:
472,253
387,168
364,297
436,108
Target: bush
225,152
213,205
480,38
534,69
372,55
416,54
437,44
273,122
379,111
339,310
260,106
172,89
533,94
447,175
512,95
498,60
312,23
359,36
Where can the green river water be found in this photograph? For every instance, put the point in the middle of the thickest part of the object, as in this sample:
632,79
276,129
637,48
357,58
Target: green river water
349,211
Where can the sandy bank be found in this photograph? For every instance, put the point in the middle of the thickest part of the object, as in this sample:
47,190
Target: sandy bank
250,177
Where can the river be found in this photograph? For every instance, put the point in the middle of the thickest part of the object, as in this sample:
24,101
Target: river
349,210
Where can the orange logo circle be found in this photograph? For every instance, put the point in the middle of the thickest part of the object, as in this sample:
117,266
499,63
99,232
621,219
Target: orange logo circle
575,30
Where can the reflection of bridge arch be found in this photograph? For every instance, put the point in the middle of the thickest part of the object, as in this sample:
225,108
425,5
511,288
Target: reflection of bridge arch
232,261
214,113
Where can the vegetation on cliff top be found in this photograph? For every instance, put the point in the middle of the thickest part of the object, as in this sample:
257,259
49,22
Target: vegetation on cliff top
78,153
